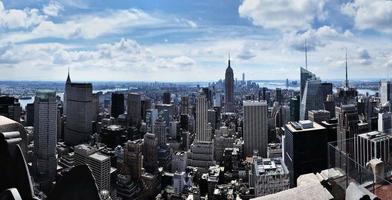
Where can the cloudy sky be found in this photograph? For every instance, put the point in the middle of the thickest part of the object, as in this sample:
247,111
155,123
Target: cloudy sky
188,40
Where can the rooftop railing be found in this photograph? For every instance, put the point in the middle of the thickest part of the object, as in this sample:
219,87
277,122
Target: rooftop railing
341,157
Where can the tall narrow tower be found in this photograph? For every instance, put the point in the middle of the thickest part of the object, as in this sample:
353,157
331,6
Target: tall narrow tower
229,88
202,118
306,55
66,90
346,71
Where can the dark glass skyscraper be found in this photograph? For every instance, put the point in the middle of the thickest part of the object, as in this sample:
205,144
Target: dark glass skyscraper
229,89
118,107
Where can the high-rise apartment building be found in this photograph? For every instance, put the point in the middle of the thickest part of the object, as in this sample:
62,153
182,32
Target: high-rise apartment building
255,128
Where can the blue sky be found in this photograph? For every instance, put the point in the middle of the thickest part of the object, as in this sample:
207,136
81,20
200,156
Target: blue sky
187,40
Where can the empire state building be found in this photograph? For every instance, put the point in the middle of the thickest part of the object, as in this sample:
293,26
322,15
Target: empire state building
229,89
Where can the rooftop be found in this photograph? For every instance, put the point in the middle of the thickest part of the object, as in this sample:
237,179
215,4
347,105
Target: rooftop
99,157
308,188
269,166
303,126
375,136
254,103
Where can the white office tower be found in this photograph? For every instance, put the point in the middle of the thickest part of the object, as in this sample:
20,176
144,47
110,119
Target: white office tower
100,166
385,91
45,137
201,153
97,162
178,182
268,176
375,144
202,119
384,121
255,127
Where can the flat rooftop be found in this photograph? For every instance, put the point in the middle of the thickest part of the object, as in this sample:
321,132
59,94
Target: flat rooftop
254,103
99,157
299,126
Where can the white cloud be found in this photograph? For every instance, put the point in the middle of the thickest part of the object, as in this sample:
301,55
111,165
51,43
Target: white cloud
370,14
186,22
92,26
16,19
315,38
125,55
52,9
363,57
283,14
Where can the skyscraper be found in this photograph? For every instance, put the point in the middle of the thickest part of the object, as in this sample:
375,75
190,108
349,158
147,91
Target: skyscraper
314,96
202,118
150,152
305,148
98,163
295,108
66,90
385,91
133,155
30,114
166,98
347,116
79,112
305,76
117,107
229,89
45,137
184,104
134,109
160,130
255,128
10,107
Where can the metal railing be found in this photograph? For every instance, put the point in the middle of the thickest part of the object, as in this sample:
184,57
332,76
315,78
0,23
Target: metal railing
345,162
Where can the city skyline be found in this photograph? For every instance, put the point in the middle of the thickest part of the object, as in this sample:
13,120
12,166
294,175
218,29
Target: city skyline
180,41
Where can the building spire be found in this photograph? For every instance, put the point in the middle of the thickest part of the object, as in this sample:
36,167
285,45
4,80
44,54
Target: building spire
68,77
229,60
346,71
306,55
